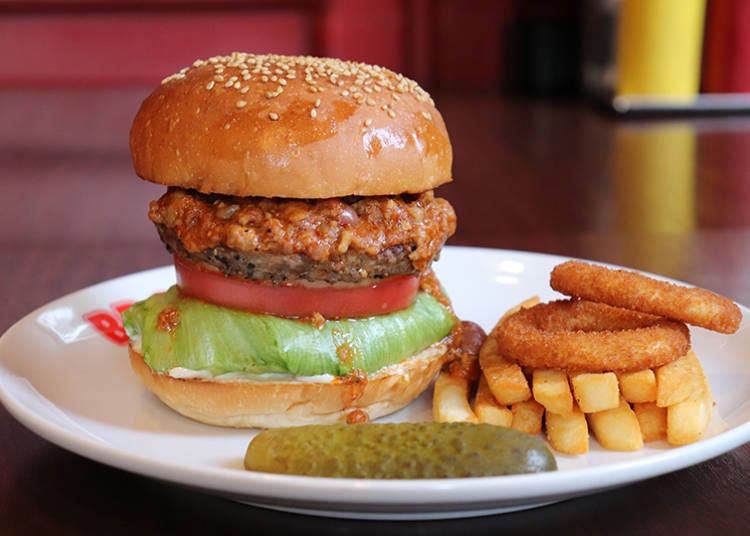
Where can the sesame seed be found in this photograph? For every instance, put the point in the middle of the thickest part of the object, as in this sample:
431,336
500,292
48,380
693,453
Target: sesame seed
313,113
241,104
317,103
368,122
273,116
370,101
210,85
391,114
176,76
237,85
245,89
427,116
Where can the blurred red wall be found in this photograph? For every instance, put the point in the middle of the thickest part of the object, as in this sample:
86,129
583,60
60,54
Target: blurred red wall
441,43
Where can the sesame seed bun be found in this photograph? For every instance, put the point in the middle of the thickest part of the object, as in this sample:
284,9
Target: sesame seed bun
264,404
295,127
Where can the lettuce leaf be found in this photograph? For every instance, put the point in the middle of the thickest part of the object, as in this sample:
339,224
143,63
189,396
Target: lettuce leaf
218,340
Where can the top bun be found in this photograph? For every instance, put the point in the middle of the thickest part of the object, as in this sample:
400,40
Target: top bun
290,126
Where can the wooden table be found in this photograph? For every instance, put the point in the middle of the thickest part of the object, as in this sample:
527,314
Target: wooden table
667,196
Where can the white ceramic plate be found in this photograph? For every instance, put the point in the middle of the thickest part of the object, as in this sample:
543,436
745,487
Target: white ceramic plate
73,387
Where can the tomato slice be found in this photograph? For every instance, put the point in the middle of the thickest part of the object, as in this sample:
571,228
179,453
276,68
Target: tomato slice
296,301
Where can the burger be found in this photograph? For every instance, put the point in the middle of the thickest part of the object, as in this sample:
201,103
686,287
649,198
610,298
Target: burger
301,217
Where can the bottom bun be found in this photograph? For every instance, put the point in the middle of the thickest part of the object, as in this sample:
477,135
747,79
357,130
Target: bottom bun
273,403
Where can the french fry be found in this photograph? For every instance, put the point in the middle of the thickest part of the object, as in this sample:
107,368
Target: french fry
450,401
487,409
638,386
595,391
652,419
508,384
551,390
688,420
527,416
617,428
567,433
680,380
505,378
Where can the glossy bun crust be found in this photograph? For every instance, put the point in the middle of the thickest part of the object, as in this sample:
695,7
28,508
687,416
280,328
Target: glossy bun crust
269,404
296,127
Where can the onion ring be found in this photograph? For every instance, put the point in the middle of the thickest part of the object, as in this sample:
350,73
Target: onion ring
586,336
631,290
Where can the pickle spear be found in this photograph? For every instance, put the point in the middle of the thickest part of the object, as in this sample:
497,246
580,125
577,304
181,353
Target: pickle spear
398,450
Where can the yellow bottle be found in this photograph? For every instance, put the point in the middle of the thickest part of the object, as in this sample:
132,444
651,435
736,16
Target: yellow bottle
659,45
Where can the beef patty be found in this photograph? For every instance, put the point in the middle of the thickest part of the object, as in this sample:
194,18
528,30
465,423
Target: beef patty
350,267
